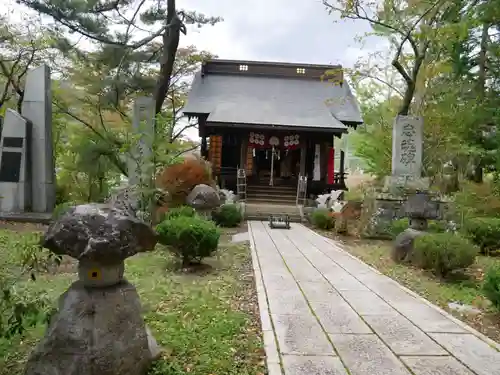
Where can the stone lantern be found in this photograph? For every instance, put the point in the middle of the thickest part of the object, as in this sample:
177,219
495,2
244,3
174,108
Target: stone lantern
98,328
419,208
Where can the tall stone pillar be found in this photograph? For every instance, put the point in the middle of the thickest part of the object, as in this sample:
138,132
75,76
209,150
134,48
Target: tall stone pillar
141,169
37,108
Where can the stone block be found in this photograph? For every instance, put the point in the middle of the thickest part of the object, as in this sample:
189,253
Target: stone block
318,291
37,108
402,336
278,282
301,335
430,365
337,316
290,301
407,146
270,347
367,355
426,318
313,365
140,163
341,280
471,351
15,164
367,303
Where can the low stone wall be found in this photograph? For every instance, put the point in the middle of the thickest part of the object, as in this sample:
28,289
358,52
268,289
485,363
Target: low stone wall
379,211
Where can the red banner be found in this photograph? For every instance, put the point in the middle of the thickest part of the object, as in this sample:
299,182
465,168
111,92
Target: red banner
331,166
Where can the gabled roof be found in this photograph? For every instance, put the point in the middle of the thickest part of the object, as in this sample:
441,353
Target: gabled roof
276,94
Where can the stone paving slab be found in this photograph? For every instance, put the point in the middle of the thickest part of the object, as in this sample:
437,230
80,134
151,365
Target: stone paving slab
334,315
366,302
301,334
436,366
337,316
472,351
367,355
313,365
402,337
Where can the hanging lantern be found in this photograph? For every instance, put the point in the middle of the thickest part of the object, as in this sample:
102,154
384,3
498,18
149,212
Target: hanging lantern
291,142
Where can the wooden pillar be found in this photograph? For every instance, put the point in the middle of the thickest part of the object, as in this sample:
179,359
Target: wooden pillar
303,152
243,153
203,148
324,161
341,168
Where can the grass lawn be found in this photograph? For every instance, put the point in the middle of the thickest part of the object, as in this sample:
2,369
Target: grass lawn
207,323
464,289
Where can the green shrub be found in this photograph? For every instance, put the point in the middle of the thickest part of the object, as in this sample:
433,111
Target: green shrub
398,226
484,232
184,211
322,218
491,285
443,252
189,238
228,216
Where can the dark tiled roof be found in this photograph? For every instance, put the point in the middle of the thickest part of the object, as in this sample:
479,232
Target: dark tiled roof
272,96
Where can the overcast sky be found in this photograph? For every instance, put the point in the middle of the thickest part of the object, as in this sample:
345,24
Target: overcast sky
277,30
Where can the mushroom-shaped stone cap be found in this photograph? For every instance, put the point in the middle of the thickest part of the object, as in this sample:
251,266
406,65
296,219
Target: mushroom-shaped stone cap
420,206
92,232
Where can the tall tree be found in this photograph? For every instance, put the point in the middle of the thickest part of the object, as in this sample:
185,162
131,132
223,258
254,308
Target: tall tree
127,35
404,23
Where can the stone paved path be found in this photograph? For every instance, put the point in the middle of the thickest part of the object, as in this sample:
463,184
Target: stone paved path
324,311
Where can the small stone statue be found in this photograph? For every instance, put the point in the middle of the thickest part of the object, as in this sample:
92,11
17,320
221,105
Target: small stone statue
99,328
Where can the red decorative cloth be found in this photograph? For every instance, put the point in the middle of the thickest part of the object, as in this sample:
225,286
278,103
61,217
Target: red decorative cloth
331,166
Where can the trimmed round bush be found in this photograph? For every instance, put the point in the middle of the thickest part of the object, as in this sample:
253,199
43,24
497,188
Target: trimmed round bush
322,218
228,216
484,232
443,252
184,211
491,285
189,238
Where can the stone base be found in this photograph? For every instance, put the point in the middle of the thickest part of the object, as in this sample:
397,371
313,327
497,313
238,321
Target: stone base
96,331
400,184
402,249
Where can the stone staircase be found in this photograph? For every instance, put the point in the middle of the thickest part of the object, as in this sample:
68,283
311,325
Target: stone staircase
280,194
264,200
262,211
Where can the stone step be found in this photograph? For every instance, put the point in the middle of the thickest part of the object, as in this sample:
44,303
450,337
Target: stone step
290,189
262,199
263,217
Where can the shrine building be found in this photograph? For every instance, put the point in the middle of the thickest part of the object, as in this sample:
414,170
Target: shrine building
274,121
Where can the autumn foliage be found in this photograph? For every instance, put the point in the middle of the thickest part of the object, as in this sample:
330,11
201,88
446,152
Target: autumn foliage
179,179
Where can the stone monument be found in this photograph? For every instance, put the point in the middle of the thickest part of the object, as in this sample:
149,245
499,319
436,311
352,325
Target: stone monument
406,176
28,180
140,168
98,328
37,108
15,164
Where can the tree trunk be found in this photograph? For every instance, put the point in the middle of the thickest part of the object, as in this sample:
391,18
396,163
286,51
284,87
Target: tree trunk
170,44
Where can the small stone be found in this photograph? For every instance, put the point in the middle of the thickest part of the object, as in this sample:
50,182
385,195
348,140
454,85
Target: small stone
203,197
402,249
